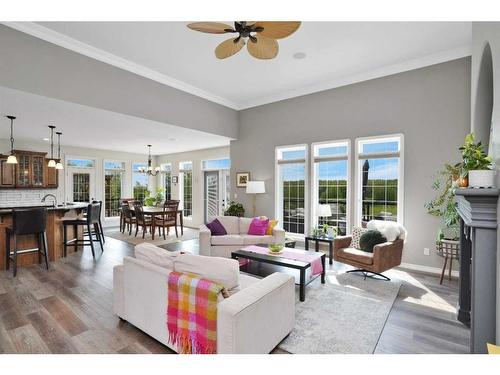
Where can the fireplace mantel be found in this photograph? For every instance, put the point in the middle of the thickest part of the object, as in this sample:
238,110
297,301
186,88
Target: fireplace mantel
478,259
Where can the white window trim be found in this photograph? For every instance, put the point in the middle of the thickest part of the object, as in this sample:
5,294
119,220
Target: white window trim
162,176
67,184
124,178
278,210
215,169
358,183
132,172
314,195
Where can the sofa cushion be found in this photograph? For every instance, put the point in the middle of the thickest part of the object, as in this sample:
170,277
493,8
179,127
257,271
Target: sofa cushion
270,227
220,270
228,240
216,228
356,255
254,240
245,224
258,226
156,255
230,224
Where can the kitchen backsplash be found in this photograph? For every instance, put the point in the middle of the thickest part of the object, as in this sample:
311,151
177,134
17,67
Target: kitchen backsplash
18,198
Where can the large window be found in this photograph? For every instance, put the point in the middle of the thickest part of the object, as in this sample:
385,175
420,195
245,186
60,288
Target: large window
167,180
291,187
113,184
330,184
380,178
139,181
186,187
216,164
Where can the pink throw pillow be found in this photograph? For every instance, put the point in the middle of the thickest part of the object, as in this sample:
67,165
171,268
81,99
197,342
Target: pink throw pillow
258,226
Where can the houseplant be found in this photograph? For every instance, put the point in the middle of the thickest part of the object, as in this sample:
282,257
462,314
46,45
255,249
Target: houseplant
153,200
444,205
234,209
477,164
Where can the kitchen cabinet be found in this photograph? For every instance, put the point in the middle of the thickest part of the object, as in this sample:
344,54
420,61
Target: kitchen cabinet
7,173
31,171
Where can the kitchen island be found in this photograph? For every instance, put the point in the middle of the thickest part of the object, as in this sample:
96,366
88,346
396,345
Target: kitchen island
55,214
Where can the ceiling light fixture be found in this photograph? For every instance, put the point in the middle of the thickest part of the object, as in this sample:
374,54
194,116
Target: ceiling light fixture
299,55
59,164
149,170
46,139
12,158
52,162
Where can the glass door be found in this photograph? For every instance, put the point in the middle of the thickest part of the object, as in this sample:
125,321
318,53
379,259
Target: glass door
212,201
80,183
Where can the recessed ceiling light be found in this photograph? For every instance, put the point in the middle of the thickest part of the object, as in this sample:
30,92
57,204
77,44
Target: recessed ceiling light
299,55
46,139
172,139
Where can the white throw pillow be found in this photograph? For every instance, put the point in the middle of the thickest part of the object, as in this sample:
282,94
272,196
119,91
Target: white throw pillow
356,235
223,271
156,255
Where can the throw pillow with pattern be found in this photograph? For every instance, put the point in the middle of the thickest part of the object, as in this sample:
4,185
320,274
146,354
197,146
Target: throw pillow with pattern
356,235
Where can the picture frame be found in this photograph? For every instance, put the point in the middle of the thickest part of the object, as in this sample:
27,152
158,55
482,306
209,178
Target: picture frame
175,179
242,179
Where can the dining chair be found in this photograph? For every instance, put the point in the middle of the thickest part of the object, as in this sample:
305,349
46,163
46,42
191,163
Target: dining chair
128,218
142,220
168,218
130,203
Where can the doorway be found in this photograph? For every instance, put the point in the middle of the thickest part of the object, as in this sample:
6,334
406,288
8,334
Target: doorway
80,184
216,193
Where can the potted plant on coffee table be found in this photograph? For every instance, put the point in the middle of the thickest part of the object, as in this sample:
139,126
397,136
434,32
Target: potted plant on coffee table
477,164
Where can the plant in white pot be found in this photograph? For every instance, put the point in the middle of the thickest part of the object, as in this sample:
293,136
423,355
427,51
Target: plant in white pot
477,164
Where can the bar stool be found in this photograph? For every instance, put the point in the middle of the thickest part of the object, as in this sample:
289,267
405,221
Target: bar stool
32,221
100,222
92,220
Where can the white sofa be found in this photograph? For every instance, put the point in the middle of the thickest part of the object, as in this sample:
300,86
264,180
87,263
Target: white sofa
255,318
236,238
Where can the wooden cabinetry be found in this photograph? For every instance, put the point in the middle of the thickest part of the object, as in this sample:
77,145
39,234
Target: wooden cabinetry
31,171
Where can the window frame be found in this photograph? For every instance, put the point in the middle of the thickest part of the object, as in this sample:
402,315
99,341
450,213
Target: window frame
132,173
278,208
163,176
215,169
122,181
314,186
362,156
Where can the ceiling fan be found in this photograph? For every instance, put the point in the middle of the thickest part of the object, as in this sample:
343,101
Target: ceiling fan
260,37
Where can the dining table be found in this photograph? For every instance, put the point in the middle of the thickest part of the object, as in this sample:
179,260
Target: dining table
157,210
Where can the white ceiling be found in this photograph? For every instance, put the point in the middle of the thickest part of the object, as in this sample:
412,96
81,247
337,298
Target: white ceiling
89,127
337,53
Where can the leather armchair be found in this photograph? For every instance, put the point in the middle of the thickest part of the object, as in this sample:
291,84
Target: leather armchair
385,256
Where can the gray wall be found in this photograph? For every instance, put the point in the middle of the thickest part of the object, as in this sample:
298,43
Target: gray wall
430,106
483,105
33,65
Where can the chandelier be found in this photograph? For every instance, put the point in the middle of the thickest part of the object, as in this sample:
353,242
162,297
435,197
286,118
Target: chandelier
149,170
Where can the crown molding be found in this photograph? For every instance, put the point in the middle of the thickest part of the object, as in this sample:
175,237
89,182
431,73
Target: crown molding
74,45
388,70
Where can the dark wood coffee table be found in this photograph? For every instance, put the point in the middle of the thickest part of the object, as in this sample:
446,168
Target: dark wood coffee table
281,264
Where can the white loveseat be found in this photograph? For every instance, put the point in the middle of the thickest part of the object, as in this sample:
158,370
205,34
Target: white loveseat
255,318
236,238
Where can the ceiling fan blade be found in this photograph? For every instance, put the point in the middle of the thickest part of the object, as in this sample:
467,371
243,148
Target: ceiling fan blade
229,48
264,48
210,27
277,29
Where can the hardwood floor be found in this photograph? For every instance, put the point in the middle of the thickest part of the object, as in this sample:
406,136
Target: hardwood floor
69,310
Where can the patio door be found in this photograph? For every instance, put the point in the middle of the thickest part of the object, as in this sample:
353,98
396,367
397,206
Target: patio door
216,195
80,183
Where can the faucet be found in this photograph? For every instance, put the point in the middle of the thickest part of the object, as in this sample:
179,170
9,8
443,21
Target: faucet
54,202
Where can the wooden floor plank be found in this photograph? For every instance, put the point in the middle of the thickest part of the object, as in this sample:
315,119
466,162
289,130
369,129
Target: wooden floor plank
64,316
26,340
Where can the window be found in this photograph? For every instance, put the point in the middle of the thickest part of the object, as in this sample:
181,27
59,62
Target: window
186,187
113,182
167,180
291,187
216,164
330,184
380,178
80,163
139,181
81,187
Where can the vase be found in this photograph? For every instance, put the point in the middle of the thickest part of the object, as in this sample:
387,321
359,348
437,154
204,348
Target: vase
482,178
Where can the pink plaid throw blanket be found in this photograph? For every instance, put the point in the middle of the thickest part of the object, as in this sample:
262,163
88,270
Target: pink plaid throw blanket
192,313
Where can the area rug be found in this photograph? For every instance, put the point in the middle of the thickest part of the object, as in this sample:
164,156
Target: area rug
189,234
345,315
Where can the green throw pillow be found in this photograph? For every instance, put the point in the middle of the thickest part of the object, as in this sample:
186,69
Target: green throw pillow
369,239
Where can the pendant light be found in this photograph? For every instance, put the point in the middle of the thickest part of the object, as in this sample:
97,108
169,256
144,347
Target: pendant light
12,158
52,162
59,164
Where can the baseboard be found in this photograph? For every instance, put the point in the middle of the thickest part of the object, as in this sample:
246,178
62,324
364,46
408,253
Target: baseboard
427,269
